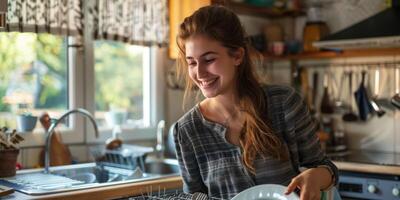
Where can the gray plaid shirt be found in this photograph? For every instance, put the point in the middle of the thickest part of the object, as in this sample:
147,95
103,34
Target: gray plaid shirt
211,165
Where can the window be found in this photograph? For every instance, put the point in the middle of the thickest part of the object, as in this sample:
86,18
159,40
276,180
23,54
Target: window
48,73
34,76
120,87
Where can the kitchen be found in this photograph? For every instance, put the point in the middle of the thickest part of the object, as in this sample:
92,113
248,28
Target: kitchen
365,150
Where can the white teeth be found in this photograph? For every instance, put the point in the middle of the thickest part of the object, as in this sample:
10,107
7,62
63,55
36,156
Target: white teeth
206,83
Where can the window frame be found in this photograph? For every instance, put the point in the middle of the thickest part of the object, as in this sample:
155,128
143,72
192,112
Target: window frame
151,88
70,135
81,91
81,94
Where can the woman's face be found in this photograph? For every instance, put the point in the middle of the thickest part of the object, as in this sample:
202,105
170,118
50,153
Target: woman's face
210,66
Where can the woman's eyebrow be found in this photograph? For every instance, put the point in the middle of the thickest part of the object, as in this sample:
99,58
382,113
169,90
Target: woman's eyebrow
202,55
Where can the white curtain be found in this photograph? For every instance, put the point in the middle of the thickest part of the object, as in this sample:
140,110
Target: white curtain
62,17
142,22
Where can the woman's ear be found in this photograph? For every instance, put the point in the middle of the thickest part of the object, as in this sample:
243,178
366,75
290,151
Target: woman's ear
238,55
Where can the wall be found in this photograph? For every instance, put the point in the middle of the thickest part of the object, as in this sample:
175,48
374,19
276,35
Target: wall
343,13
378,134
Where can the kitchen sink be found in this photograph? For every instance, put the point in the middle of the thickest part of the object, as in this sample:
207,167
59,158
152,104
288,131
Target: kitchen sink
162,167
88,175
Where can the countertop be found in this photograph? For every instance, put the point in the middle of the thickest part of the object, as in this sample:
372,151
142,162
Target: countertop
368,168
175,182
109,192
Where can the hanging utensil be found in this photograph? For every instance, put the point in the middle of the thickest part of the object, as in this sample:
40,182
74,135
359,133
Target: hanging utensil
340,106
338,94
313,106
362,100
378,110
350,116
395,100
305,85
326,103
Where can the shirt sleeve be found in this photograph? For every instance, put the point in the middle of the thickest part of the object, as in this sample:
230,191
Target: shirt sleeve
192,181
309,149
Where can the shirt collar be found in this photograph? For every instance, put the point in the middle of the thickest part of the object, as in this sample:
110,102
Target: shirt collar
216,127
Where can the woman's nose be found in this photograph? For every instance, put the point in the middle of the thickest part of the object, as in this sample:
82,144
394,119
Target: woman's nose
201,71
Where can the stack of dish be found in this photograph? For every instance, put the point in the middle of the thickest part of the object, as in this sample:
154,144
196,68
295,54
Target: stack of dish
266,192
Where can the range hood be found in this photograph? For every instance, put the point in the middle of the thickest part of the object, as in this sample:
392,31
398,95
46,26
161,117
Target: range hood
381,30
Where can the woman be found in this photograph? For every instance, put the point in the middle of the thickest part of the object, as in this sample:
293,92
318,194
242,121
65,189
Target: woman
242,134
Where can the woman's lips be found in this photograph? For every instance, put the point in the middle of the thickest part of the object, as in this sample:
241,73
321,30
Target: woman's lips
208,83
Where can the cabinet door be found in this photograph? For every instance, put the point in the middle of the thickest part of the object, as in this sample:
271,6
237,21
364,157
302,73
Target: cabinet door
178,10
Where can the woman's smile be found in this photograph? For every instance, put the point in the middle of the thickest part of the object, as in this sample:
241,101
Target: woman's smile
207,84
210,65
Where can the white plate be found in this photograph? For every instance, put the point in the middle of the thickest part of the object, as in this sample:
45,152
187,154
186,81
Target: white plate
265,192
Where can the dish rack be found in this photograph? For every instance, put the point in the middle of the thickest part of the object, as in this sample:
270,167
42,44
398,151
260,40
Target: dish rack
125,157
173,196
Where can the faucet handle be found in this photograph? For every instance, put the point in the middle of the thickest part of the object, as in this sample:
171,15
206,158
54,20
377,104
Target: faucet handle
161,125
160,136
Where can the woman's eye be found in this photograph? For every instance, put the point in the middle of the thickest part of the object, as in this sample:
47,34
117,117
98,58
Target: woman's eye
210,60
192,64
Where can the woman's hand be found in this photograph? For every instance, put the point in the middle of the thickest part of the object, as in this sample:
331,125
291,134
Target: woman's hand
310,182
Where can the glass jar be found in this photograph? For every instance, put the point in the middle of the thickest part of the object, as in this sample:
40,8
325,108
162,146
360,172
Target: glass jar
315,28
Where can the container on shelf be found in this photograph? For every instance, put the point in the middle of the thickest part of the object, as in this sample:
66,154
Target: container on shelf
261,3
315,28
26,123
8,161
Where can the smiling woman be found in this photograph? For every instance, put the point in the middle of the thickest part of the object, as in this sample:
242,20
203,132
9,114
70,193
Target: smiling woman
242,133
209,65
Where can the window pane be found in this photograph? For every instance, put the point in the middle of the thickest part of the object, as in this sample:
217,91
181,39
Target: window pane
33,76
119,83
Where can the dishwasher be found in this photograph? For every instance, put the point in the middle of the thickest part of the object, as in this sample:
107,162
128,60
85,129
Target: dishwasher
367,186
379,185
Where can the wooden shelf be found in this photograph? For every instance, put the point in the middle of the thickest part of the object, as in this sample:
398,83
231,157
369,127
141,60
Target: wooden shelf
248,9
332,54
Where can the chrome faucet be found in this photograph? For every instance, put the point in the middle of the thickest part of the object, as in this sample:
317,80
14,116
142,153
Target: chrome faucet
160,139
54,124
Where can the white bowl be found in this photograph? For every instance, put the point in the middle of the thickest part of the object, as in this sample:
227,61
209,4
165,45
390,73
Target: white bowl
265,192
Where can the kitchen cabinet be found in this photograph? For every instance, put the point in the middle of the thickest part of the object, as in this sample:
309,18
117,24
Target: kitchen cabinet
273,13
178,10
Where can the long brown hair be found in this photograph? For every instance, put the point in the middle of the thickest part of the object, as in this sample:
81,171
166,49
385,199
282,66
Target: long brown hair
221,24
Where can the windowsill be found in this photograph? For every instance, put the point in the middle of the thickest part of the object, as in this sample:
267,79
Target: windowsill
36,138
142,133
